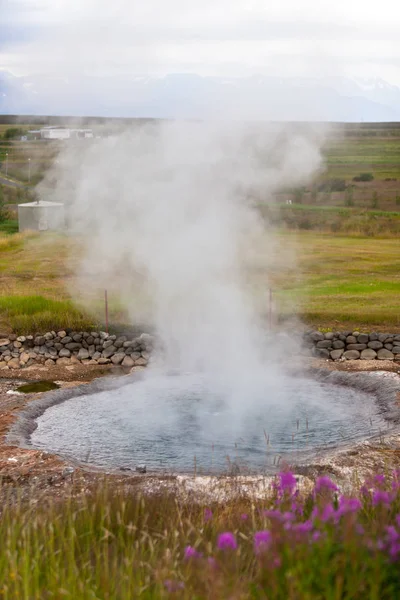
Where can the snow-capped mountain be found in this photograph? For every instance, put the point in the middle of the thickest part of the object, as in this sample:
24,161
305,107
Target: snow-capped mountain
193,96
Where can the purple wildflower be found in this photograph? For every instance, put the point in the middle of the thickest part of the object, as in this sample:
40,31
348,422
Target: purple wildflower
287,482
325,483
360,529
244,517
316,536
398,520
305,527
379,480
380,497
212,563
394,551
277,515
328,513
262,540
226,541
173,586
348,505
191,552
393,534
208,515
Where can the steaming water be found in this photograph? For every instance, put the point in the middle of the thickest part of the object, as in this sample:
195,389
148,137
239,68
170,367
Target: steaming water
180,422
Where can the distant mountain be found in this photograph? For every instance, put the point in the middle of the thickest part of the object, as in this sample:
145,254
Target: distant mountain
192,96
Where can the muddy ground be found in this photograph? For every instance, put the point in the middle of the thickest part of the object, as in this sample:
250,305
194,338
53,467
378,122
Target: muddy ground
27,471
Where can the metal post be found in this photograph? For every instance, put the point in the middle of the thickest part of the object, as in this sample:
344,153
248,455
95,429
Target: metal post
6,164
29,170
106,308
270,308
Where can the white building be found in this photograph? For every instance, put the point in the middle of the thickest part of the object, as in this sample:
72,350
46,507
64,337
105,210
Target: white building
53,132
41,216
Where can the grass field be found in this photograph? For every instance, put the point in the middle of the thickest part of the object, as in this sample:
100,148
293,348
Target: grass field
344,282
333,282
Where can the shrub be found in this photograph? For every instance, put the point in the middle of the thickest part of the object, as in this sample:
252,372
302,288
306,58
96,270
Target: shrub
375,202
348,200
3,210
332,185
13,132
364,177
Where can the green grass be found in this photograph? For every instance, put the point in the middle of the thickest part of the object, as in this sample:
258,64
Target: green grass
9,226
351,221
119,546
328,280
32,314
342,282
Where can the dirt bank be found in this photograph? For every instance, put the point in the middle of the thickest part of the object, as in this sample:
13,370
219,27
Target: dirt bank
49,476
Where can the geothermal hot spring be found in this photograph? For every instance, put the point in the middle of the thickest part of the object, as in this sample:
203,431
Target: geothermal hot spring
174,203
182,423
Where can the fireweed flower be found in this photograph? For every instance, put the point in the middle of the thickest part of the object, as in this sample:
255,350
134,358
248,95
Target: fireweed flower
226,541
379,480
305,527
393,534
173,586
394,551
262,540
326,484
328,513
277,515
316,536
208,515
191,552
244,517
348,505
380,497
287,483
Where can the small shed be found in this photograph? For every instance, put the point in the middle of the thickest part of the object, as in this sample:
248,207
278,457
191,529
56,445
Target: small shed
41,216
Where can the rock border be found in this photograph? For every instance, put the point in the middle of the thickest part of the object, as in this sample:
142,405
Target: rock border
353,345
80,347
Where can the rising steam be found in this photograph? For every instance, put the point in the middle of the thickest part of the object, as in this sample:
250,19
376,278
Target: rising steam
171,206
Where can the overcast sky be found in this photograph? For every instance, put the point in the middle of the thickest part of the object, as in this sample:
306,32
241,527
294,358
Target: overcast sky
208,37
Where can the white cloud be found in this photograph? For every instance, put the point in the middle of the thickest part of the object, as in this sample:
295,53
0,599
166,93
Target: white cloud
204,36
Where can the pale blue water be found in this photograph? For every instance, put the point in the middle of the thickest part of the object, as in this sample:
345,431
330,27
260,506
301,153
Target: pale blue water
176,424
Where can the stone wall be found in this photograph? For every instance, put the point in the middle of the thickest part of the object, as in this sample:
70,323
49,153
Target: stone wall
353,345
100,348
69,347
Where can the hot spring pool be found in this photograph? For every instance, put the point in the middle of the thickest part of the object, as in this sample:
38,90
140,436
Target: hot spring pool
176,424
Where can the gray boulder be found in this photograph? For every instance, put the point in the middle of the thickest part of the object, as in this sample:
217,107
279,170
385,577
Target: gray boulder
375,345
358,347
337,344
363,338
336,354
128,362
368,354
384,354
118,358
83,354
109,351
352,355
324,344
64,353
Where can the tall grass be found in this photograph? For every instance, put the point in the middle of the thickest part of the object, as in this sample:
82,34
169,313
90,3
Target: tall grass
119,546
30,314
